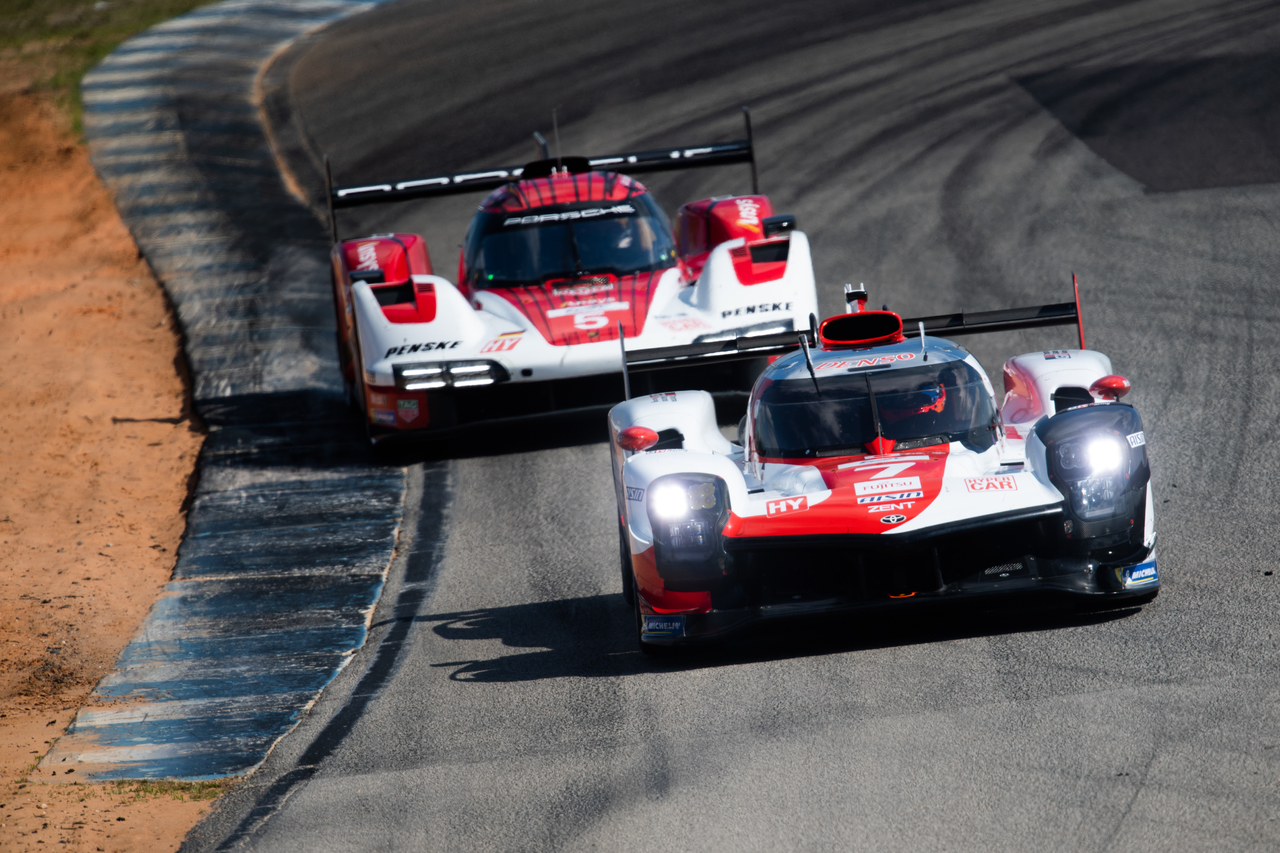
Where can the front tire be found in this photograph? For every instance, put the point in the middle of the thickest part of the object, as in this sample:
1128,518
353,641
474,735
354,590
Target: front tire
624,560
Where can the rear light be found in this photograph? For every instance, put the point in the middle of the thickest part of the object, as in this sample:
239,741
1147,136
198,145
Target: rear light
448,374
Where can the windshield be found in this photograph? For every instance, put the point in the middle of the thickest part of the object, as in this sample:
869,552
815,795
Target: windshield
506,250
915,407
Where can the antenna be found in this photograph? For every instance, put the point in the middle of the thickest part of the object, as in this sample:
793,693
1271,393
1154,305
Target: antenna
808,360
328,199
924,352
626,379
542,146
1079,320
555,127
859,296
751,146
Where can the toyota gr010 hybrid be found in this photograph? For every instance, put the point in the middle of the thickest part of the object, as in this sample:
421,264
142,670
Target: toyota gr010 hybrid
880,471
563,258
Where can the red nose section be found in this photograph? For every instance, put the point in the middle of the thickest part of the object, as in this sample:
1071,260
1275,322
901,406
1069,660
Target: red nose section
637,438
1111,387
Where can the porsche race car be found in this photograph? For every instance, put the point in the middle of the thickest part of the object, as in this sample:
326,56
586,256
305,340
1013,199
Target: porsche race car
567,262
876,469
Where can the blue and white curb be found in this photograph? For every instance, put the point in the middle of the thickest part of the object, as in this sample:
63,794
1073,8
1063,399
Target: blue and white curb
293,525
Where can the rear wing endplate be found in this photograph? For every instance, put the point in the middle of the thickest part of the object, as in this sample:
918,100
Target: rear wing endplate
940,325
480,180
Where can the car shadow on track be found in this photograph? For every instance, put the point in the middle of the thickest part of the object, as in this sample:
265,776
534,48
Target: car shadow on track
531,434
594,637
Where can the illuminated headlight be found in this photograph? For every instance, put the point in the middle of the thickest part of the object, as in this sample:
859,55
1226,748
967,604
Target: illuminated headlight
456,374
1092,457
686,512
1094,468
420,378
669,502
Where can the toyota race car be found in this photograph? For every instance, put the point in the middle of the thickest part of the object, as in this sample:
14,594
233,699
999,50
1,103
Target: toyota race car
567,262
878,471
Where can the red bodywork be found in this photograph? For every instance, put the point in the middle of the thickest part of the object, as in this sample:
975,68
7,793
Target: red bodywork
399,257
703,225
588,310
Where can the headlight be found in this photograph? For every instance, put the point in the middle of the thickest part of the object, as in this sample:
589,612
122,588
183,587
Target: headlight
444,374
1099,466
686,512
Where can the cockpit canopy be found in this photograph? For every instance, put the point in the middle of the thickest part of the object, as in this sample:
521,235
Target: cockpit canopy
568,241
910,407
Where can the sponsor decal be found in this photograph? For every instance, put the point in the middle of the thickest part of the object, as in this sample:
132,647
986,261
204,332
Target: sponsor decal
999,483
1137,439
664,397
1056,353
865,362
897,496
784,505
427,347
1143,572
367,255
663,626
762,308
599,308
634,494
684,324
503,343
384,416
748,211
893,519
376,399
891,507
882,487
587,288
589,213
408,410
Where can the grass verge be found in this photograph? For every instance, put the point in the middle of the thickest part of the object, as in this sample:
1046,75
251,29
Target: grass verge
63,39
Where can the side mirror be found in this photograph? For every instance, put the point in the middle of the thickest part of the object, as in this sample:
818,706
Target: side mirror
780,224
637,438
1110,387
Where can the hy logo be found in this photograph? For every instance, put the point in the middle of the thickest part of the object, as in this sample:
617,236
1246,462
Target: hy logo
779,507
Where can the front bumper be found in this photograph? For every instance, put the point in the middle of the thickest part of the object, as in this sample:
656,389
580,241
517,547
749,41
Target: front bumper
1083,581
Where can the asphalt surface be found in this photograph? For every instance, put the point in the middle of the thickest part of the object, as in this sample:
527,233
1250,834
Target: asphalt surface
948,155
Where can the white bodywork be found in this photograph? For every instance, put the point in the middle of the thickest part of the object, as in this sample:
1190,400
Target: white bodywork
492,329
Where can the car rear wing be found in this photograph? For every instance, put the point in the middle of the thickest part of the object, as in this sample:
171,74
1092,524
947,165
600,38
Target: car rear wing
942,325
480,180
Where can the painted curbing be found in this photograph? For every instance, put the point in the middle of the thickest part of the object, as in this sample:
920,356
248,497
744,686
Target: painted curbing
293,524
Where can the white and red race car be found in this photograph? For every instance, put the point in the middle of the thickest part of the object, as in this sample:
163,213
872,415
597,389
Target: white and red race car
878,471
565,257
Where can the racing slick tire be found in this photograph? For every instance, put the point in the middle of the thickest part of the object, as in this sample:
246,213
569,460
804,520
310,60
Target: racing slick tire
624,560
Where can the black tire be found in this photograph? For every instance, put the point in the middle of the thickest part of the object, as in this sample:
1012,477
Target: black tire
624,560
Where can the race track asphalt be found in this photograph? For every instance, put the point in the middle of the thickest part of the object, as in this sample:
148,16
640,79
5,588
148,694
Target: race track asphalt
950,155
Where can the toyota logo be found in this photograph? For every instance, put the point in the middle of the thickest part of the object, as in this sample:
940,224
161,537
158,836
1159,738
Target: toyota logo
893,519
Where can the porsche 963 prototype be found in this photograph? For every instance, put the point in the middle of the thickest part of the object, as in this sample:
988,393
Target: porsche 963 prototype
564,258
877,470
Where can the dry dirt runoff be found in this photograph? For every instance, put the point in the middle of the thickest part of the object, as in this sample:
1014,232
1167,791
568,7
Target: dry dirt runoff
96,455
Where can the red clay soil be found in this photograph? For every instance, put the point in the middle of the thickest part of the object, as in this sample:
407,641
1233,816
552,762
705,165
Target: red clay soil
96,458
